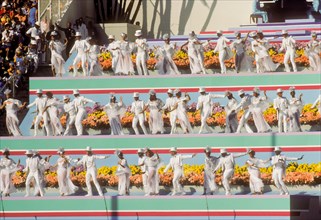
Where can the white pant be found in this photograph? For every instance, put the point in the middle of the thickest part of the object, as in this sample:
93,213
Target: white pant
123,184
145,184
141,64
289,55
55,121
38,185
277,178
221,57
173,118
83,58
256,183
209,182
141,119
152,181
78,120
70,122
114,62
45,118
177,187
204,122
5,182
92,173
227,175
282,122
243,122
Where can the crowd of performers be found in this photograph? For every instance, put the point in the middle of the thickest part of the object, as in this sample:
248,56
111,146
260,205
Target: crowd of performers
149,162
47,110
121,51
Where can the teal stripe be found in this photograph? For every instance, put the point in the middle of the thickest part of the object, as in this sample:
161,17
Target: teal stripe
174,82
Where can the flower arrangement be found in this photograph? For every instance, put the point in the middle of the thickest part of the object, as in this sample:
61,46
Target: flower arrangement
297,174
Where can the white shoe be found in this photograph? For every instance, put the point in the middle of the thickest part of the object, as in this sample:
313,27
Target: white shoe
287,193
282,193
183,193
147,194
174,194
89,195
27,195
228,193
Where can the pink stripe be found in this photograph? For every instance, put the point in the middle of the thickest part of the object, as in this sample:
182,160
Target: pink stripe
264,31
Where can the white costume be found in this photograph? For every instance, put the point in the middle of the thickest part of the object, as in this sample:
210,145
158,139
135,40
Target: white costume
204,104
40,104
152,166
231,123
113,48
79,103
257,107
288,44
281,104
169,105
33,169
7,168
115,112
139,116
141,56
89,164
165,64
66,187
12,121
70,110
294,110
242,60
123,172
156,123
142,164
313,53
182,114
81,46
57,61
256,183
176,163
195,56
94,66
125,64
244,105
222,49
209,175
52,110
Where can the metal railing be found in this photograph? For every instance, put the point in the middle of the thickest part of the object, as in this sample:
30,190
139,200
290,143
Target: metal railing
52,10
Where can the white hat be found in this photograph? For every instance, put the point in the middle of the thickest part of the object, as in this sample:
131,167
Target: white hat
7,91
5,150
240,92
253,34
66,97
256,90
136,95
152,92
54,33
37,23
292,89
219,32
173,149
284,32
88,148
140,150
138,33
111,37
78,34
177,91
201,90
165,36
28,152
170,91
277,149
33,42
39,91
223,150
60,150
279,90
208,150
75,91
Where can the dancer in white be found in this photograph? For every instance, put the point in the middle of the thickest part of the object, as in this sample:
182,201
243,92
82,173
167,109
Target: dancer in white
12,107
139,116
288,44
89,163
209,176
8,167
227,163
313,52
113,48
81,47
142,165
231,122
258,105
125,64
93,53
244,105
40,103
281,105
123,172
115,111
241,59
223,50
66,187
43,166
165,64
168,108
176,163
141,56
268,64
294,111
279,168
153,163
155,105
195,55
80,103
57,61
51,108
205,105
317,103
70,112
253,167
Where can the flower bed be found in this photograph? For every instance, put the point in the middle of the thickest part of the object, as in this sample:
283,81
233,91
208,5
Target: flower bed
297,174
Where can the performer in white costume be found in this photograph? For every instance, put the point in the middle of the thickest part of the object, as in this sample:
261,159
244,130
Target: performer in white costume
281,105
231,123
288,44
223,50
209,176
141,56
123,172
176,163
70,112
155,105
51,108
115,111
168,108
153,163
113,48
125,64
313,50
294,111
279,168
81,47
89,163
43,166
242,61
244,105
142,165
139,116
57,61
93,53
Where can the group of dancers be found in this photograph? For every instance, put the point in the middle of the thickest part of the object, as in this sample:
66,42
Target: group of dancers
253,105
149,163
121,51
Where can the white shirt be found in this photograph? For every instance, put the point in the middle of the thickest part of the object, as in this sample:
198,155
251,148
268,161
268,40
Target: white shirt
112,48
53,104
142,45
34,32
137,107
141,160
288,43
80,102
40,104
33,164
12,105
152,162
245,103
280,103
205,101
238,45
210,163
80,46
228,162
70,108
170,103
89,161
176,162
279,161
221,44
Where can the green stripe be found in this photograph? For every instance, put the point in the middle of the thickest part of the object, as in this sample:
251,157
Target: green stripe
164,141
174,82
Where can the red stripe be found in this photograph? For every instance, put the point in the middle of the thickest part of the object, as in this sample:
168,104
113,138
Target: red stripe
264,31
164,90
155,213
166,151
